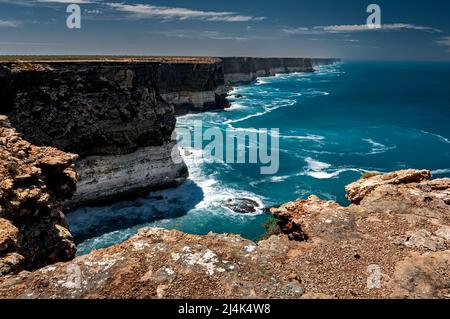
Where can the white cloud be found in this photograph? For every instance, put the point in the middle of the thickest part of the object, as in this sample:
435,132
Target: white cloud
199,34
445,42
66,1
171,13
8,24
31,43
358,28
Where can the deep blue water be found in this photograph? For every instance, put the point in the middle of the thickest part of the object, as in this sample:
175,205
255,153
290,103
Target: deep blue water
334,125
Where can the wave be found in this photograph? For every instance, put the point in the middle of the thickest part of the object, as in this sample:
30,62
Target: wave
336,173
235,106
307,137
443,171
378,148
260,81
321,170
202,193
440,137
315,165
314,93
214,192
242,119
275,106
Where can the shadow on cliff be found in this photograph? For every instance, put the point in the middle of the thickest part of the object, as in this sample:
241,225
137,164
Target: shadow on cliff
90,222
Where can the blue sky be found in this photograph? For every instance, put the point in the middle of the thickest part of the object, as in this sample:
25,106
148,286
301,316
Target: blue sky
411,30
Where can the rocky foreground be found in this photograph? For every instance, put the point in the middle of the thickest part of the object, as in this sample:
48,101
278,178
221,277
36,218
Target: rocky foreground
392,242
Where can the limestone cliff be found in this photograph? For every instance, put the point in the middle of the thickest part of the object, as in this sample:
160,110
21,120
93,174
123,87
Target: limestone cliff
111,113
118,114
193,87
244,70
392,242
34,182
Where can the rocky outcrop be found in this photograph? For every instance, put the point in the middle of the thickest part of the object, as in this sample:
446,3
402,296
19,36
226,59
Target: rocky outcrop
244,70
397,229
394,242
159,263
34,182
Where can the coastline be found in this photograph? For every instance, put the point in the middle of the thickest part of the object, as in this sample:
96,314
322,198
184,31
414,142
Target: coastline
116,108
398,222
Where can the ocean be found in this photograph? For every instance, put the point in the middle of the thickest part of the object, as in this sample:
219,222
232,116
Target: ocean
334,125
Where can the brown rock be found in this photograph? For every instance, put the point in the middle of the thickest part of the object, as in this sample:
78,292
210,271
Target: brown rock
359,189
34,182
423,276
379,248
8,235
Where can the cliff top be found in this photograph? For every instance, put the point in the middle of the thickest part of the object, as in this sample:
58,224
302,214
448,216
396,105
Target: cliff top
116,58
95,58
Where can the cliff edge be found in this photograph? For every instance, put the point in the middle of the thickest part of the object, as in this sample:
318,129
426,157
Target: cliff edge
393,241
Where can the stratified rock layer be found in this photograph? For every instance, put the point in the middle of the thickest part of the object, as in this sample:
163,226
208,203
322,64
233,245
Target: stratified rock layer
394,243
244,70
34,182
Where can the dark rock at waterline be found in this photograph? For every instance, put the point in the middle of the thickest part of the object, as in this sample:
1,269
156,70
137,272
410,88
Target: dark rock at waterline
241,205
238,96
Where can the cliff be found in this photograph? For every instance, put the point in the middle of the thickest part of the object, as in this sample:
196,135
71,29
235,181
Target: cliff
118,114
244,70
393,241
193,87
111,113
34,182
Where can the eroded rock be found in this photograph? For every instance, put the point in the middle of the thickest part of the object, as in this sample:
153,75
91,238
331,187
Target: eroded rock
34,183
363,187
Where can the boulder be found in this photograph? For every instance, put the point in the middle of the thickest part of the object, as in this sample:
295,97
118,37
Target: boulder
242,205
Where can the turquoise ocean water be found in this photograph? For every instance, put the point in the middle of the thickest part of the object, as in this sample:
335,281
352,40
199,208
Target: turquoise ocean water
334,125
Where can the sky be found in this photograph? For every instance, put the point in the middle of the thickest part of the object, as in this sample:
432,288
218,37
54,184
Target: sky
410,30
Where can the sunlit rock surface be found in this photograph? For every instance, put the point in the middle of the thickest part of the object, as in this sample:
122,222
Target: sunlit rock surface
394,243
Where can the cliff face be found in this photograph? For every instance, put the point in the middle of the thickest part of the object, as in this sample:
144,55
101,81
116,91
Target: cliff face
111,113
193,87
392,242
34,182
119,114
241,70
